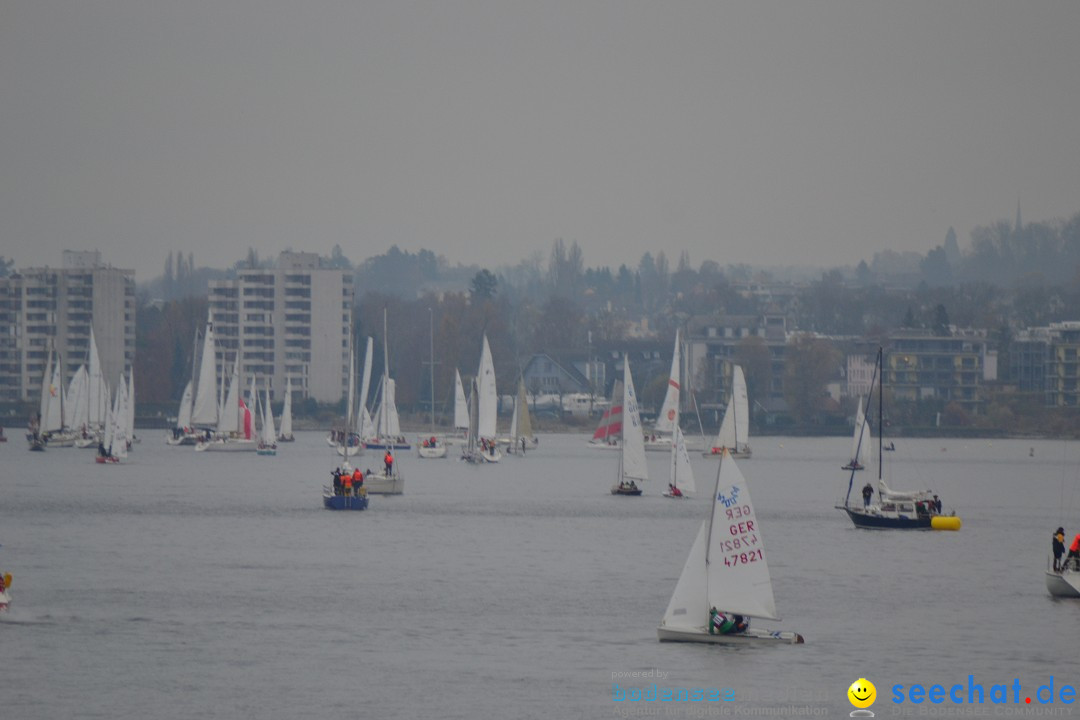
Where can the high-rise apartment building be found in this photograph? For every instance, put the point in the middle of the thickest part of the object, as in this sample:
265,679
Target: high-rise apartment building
289,322
42,309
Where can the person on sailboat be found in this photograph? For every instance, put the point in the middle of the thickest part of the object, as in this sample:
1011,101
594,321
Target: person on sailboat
1058,546
674,491
388,461
867,494
357,480
724,624
1074,552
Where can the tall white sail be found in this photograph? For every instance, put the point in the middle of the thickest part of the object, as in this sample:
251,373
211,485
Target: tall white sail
98,393
53,417
183,416
681,474
742,408
286,412
204,413
461,405
79,400
524,426
861,444
738,575
350,396
393,423
632,465
121,432
110,428
489,397
130,423
269,433
47,392
364,423
669,411
229,422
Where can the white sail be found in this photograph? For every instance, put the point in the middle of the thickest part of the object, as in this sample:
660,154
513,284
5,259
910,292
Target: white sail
110,428
632,464
286,412
98,391
53,399
861,444
689,604
183,415
364,423
350,396
204,413
669,411
736,569
79,400
47,392
229,422
488,395
461,405
393,424
742,408
121,432
734,428
130,422
269,433
681,474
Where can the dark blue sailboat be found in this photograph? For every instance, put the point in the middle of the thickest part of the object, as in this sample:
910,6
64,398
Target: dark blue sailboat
919,510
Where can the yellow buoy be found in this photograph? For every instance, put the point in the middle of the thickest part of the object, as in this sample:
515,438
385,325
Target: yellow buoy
943,522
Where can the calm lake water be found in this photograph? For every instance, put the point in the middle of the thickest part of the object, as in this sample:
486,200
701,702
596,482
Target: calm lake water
186,584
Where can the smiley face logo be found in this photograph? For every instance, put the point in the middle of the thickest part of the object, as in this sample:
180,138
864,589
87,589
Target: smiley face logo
862,693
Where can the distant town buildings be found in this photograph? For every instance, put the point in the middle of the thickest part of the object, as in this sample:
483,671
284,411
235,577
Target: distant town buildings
44,309
287,323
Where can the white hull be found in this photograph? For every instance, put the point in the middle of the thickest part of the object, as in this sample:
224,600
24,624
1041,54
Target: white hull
377,484
662,443
226,446
1066,584
605,445
182,440
431,452
753,635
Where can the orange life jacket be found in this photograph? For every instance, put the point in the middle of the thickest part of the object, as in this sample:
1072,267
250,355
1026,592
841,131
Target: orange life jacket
1075,547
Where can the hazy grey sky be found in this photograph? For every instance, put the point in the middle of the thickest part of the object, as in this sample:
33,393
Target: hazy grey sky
808,132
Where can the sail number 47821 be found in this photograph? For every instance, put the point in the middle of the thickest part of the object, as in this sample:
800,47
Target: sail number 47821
743,558
738,543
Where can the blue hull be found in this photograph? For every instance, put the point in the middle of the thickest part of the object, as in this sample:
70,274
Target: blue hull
344,502
387,446
878,522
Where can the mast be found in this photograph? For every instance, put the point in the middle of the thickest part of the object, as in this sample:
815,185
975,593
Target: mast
880,412
385,420
431,354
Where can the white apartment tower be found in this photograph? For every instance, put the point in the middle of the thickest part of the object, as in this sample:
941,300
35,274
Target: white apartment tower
289,322
47,308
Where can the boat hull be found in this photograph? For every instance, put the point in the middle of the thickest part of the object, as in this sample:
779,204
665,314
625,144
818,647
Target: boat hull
1066,584
226,446
182,440
753,635
384,485
344,502
871,521
716,452
376,445
630,492
431,452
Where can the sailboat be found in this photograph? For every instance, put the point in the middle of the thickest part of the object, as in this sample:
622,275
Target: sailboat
663,432
204,408
285,433
860,444
114,446
460,436
268,435
633,469
681,474
387,426
608,433
348,442
487,402
521,433
234,429
433,446
895,510
50,429
734,432
725,580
